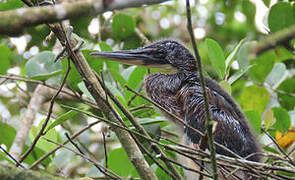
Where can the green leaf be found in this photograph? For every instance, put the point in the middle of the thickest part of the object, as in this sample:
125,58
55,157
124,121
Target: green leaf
116,92
283,54
283,120
127,72
81,26
117,76
104,46
5,54
149,121
254,119
95,63
38,34
231,57
286,174
10,4
249,9
270,149
123,26
74,77
216,57
266,2
7,134
277,75
254,98
36,154
4,156
43,144
83,88
119,162
162,175
135,79
42,66
263,65
153,129
280,16
243,55
226,86
285,98
238,74
112,66
268,118
132,42
62,118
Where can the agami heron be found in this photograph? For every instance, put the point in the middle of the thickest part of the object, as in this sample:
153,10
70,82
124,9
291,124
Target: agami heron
180,92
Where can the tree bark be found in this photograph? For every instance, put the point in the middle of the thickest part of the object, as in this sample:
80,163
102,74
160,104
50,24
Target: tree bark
13,22
13,173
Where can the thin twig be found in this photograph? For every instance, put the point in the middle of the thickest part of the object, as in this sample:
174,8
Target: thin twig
105,150
175,174
25,79
144,39
209,122
279,147
291,152
195,154
93,86
134,96
113,175
80,151
2,82
140,107
156,161
74,144
41,132
180,121
137,126
64,143
11,157
282,37
190,169
191,150
130,131
67,127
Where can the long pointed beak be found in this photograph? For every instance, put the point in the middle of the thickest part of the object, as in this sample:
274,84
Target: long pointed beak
142,57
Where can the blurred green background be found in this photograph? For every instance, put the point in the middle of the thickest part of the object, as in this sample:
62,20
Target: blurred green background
263,84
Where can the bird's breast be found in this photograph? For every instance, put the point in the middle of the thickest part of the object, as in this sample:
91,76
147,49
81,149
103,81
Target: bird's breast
162,89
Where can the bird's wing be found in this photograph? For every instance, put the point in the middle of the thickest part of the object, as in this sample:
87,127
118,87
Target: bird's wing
231,131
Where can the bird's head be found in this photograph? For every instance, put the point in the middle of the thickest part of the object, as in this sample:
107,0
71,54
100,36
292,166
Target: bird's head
166,55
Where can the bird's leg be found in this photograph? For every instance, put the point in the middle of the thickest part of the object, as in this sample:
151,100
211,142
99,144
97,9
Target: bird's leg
69,33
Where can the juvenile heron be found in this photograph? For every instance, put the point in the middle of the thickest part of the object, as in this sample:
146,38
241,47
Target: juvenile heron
180,92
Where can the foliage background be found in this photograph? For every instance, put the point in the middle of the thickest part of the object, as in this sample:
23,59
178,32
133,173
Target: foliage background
263,84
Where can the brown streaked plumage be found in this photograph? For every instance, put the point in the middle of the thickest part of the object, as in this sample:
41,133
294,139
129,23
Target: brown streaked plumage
181,94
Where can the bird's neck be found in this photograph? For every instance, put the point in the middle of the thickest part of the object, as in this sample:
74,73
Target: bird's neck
162,88
169,82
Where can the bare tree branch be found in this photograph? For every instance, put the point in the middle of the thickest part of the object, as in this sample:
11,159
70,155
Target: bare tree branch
66,94
13,173
39,96
41,132
282,37
13,22
209,122
93,86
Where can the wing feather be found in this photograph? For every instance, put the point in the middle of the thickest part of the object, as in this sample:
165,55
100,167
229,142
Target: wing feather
232,130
